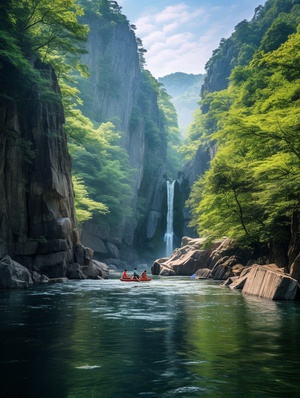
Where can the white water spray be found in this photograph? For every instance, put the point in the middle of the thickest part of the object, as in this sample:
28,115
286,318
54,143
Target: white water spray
170,203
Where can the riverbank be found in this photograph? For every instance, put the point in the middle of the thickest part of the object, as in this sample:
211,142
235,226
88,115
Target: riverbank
236,266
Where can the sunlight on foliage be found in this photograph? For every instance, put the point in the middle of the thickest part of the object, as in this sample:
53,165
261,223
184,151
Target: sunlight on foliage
85,207
253,185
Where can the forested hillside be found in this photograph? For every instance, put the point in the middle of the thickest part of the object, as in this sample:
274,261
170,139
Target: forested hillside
135,139
120,125
251,128
184,89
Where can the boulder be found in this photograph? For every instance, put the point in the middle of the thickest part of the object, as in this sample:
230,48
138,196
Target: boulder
196,243
237,269
104,268
230,281
224,258
221,272
13,275
88,256
270,282
54,265
237,282
74,271
203,273
190,262
83,255
185,260
229,248
38,278
96,270
156,266
227,267
166,271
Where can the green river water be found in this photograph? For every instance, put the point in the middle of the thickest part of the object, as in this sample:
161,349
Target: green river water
171,337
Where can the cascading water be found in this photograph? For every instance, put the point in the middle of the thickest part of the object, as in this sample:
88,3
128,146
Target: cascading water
170,212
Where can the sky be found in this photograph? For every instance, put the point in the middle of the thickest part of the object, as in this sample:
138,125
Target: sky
180,36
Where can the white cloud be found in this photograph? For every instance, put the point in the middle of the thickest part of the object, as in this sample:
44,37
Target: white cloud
170,27
182,37
145,28
168,39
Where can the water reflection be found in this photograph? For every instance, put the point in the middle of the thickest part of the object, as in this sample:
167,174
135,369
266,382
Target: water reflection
174,337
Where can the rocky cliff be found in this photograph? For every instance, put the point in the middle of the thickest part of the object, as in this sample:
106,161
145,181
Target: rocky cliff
37,222
118,90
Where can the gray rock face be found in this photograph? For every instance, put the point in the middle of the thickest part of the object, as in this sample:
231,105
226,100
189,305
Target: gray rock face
217,75
186,260
117,92
203,273
269,283
13,275
156,196
96,270
37,222
220,263
75,272
224,258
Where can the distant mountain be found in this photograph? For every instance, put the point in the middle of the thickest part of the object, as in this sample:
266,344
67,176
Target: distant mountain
184,89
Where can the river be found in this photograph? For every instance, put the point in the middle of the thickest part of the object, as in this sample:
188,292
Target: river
171,337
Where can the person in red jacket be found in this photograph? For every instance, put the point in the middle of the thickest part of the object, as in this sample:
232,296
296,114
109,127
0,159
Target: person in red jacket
144,275
124,275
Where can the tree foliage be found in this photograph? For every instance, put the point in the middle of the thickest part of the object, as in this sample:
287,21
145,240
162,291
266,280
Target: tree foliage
54,32
40,29
102,166
253,185
85,207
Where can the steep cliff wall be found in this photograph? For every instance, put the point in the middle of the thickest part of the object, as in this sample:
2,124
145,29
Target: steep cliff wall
118,90
37,223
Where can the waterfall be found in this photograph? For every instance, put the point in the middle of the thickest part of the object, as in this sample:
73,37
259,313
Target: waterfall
170,212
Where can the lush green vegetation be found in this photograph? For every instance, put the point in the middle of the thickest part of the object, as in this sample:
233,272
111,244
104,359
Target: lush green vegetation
55,32
104,166
49,31
253,185
39,29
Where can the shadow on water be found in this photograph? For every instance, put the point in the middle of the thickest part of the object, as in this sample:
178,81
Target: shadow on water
172,337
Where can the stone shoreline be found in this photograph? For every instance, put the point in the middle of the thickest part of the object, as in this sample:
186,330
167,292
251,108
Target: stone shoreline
225,261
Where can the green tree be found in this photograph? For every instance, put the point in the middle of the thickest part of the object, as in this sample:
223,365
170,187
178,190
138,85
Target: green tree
103,167
45,29
252,187
85,207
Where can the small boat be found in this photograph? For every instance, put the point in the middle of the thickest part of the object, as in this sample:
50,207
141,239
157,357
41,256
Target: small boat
135,280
